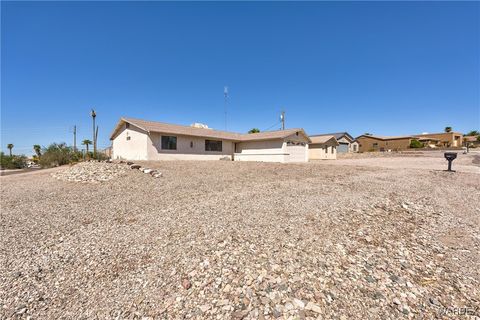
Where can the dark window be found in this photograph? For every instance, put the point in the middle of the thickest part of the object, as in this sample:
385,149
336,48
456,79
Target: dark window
333,148
128,137
127,125
169,142
213,145
191,144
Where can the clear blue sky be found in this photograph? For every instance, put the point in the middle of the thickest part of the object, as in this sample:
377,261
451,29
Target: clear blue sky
382,67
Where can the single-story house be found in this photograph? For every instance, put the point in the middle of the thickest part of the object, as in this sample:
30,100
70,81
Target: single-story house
323,147
443,139
383,143
472,141
134,139
346,143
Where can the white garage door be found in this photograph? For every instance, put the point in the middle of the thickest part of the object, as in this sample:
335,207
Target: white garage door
295,153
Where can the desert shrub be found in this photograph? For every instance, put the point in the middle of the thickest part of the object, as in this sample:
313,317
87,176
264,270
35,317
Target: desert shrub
56,154
12,162
416,144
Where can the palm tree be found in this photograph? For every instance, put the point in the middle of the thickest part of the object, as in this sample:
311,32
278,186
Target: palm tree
448,129
10,147
37,149
254,130
86,142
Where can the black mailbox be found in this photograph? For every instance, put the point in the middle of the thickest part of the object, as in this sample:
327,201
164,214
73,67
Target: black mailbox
450,156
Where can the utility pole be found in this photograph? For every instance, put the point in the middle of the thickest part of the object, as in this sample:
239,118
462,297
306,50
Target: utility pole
95,143
93,114
74,138
225,94
282,118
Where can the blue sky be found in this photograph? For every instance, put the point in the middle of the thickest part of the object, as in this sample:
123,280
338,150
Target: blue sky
382,67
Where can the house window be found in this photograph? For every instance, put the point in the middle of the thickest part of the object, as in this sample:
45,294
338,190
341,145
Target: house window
213,145
375,145
128,138
127,125
191,144
169,143
333,148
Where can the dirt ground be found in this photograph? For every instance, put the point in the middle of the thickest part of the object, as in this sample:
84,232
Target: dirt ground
345,239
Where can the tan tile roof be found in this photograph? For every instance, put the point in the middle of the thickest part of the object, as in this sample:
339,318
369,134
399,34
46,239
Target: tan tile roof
470,138
268,135
427,134
322,139
153,126
385,137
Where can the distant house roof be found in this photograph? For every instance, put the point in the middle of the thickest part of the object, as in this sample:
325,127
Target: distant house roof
268,135
337,135
154,126
384,137
470,138
323,139
439,133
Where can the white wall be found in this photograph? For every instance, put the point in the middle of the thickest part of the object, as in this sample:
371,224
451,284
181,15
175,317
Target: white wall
186,151
321,151
133,149
275,150
265,151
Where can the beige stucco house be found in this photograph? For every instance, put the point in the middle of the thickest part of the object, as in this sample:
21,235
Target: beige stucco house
442,139
134,139
346,143
323,147
368,143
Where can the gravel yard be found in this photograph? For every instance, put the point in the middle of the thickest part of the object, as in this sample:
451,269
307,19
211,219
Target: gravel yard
239,240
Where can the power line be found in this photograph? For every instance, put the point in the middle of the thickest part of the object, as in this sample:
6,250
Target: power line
277,123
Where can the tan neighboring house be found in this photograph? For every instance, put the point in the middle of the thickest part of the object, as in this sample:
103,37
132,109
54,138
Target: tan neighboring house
368,143
473,141
134,139
441,140
323,147
346,143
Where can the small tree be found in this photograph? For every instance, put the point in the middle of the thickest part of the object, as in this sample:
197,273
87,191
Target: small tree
12,162
56,154
416,144
473,133
10,147
448,129
38,150
478,138
254,130
86,142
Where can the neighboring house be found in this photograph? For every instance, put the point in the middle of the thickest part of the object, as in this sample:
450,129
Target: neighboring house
472,141
134,139
346,143
355,146
382,143
108,151
442,140
323,147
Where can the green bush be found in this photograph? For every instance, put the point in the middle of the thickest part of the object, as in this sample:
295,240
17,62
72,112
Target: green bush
416,144
12,162
57,154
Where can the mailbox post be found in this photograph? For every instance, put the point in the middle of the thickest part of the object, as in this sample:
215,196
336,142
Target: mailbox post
450,156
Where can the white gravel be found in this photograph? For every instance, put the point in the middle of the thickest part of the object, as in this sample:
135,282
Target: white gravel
228,240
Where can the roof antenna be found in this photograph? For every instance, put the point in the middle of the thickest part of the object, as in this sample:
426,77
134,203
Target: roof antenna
282,119
225,94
